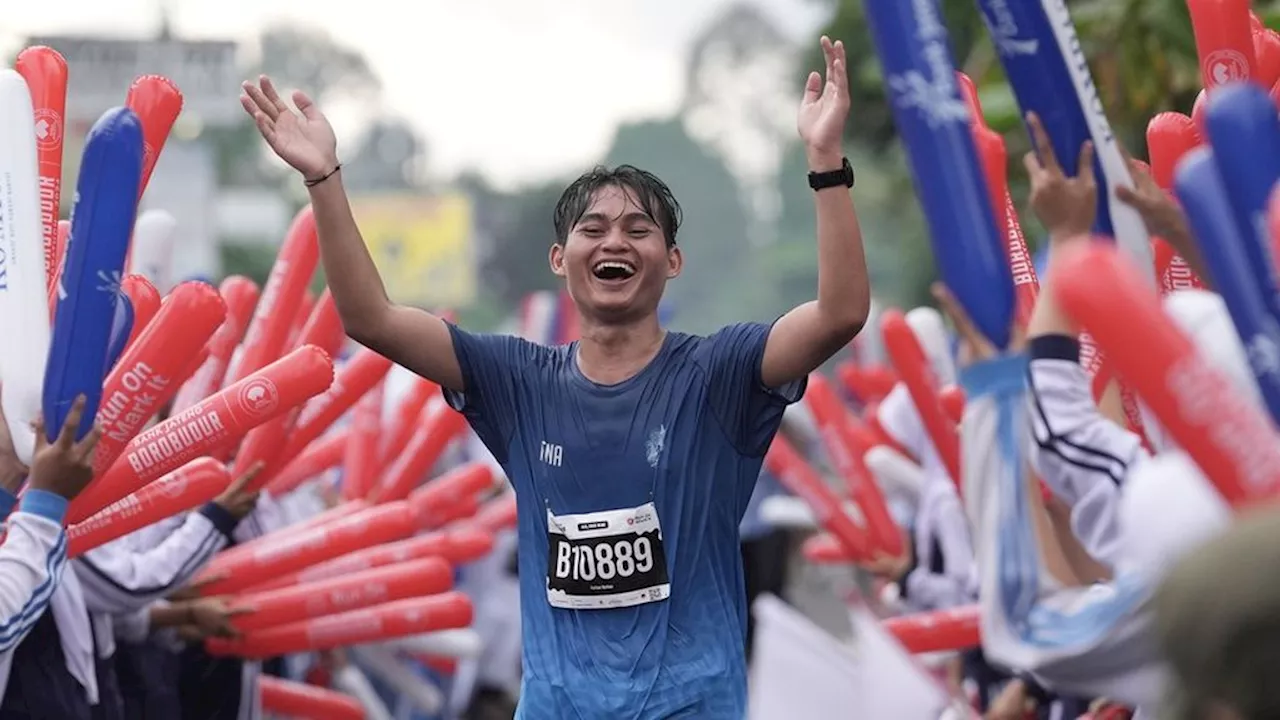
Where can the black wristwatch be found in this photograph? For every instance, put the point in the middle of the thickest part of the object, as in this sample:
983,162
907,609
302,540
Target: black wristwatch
834,178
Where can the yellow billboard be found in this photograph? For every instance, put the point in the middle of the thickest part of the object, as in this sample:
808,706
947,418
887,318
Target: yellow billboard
422,246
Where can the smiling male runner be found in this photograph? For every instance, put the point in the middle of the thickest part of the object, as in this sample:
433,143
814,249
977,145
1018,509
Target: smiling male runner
633,451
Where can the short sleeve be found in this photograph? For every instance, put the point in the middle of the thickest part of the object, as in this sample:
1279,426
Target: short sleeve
749,412
490,366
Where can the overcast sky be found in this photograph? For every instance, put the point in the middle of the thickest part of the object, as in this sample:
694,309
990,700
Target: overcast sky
519,89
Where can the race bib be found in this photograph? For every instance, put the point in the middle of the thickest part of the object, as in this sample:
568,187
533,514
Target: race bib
607,559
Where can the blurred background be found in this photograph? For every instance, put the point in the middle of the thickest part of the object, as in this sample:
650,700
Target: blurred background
461,122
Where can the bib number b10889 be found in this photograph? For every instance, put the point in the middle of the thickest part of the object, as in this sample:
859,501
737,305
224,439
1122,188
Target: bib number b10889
607,559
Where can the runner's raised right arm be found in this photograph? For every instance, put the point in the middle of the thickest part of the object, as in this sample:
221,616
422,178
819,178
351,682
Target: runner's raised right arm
408,336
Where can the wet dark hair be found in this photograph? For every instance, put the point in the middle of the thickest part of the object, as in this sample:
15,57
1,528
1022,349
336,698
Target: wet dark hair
654,196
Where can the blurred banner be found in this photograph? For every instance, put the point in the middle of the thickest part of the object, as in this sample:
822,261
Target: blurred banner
422,246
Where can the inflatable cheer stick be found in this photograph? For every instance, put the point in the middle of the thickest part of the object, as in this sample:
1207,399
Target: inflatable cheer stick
802,480
994,157
825,549
152,248
45,71
22,277
322,329
440,426
912,366
395,619
279,535
157,102
464,643
937,631
320,456
360,461
188,487
268,330
356,378
404,420
1224,41
101,222
866,384
121,331
301,700
1266,53
428,576
457,513
830,417
952,398
1244,128
496,514
399,675
437,502
1046,67
294,552
145,300
1197,112
457,547
1229,439
143,381
933,120
893,470
1170,136
210,424
1204,198
239,294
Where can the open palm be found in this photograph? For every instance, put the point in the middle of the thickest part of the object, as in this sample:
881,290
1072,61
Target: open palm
825,105
304,139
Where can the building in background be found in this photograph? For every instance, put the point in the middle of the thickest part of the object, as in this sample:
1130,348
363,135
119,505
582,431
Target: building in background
185,182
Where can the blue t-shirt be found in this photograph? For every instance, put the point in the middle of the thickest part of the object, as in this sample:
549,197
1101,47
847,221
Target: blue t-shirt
688,433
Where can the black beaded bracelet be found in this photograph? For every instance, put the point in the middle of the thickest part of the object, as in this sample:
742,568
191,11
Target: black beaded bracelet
322,178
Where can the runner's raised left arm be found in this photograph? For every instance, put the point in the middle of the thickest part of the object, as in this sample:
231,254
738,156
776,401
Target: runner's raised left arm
807,336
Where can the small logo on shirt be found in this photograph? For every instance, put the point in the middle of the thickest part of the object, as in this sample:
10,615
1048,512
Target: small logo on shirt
552,454
653,448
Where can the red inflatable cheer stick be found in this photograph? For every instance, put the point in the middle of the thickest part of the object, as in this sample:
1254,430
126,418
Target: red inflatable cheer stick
1224,41
404,420
45,71
953,401
190,486
434,503
1170,136
801,479
356,378
320,456
447,611
867,384
1197,113
941,630
145,378
825,549
213,423
323,329
145,300
59,251
496,514
361,461
273,557
457,547
157,102
268,330
909,360
276,536
239,294
994,157
441,426
1266,51
832,421
1231,441
300,700
305,309
429,576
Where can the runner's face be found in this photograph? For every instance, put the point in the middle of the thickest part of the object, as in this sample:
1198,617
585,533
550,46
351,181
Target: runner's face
615,260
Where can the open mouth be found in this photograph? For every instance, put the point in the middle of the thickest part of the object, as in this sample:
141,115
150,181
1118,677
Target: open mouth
613,270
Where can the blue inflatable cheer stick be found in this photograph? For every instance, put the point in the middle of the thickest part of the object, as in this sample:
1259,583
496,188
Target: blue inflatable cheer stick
1244,129
1041,55
121,329
1199,188
933,121
101,224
